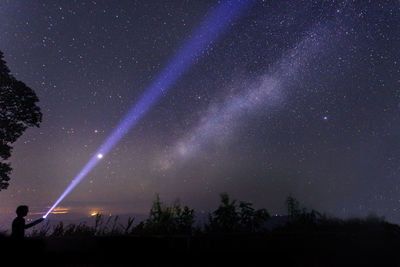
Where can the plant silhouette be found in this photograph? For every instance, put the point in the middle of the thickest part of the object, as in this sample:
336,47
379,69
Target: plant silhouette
230,217
164,219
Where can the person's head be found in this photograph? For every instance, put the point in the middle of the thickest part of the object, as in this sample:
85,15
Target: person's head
22,211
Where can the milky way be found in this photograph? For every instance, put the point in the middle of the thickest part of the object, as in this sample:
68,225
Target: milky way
267,92
297,97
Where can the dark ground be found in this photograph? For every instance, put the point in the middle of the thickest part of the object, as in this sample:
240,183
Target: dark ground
371,248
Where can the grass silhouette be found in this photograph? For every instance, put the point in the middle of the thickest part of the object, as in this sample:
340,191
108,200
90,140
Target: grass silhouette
236,233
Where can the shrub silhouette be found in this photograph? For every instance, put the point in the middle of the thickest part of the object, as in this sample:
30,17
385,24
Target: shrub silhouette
230,217
235,228
300,215
251,220
165,219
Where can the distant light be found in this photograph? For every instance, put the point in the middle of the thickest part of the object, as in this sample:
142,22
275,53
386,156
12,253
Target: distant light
58,210
325,118
94,213
99,156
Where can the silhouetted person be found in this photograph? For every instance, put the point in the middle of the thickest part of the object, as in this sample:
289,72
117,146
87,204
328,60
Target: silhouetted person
19,226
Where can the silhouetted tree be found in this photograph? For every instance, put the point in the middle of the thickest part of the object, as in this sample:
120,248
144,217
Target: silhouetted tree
184,219
225,218
230,217
301,215
165,219
18,111
293,207
251,220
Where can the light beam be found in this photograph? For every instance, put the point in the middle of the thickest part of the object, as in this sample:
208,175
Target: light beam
215,23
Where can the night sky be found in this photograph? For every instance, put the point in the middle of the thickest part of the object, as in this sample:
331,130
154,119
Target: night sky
296,97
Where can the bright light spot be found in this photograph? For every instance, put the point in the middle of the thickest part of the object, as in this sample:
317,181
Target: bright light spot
94,213
99,156
325,118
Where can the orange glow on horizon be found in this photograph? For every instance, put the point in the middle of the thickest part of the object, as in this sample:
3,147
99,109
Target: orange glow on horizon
60,210
94,213
57,210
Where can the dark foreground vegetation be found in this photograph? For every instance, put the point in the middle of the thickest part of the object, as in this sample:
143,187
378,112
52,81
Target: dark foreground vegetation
235,234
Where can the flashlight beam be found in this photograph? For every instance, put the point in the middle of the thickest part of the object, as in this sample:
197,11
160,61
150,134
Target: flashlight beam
215,23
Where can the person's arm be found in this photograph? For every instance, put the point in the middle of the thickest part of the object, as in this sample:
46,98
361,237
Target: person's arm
34,223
